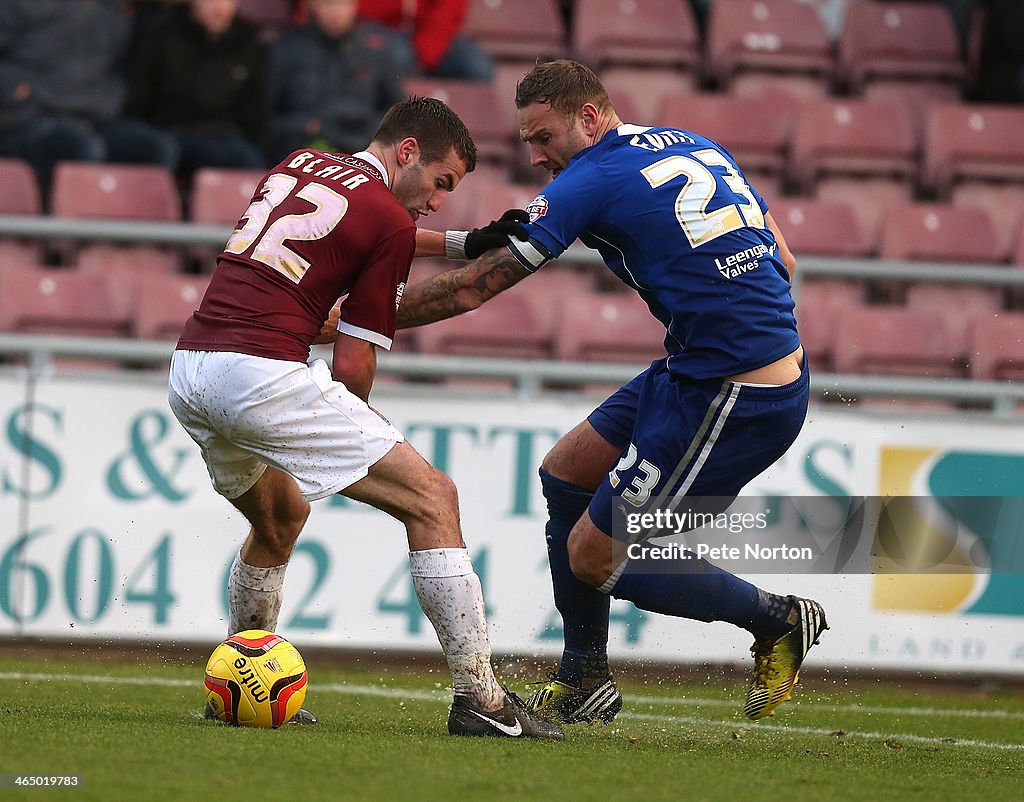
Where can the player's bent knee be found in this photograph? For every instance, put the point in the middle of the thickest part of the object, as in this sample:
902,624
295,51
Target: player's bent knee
551,460
276,541
447,492
439,491
289,517
437,502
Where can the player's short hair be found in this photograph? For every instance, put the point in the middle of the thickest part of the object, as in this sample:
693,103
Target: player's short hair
434,125
565,85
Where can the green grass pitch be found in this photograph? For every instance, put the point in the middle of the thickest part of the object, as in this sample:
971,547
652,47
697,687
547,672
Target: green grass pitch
131,730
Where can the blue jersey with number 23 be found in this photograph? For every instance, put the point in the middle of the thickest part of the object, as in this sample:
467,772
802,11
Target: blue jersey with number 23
673,217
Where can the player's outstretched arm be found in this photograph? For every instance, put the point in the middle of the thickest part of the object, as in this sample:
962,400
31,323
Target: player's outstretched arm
460,290
472,244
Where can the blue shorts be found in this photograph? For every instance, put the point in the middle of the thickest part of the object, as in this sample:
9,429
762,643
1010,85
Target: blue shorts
683,437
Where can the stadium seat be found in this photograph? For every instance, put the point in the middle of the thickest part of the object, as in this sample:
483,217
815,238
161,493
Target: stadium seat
15,251
1004,204
831,294
20,196
817,335
506,77
958,303
554,287
997,347
165,302
517,30
637,92
58,301
608,327
640,32
897,41
939,232
758,148
870,198
777,37
1016,294
124,266
507,326
972,141
219,195
475,103
780,87
114,191
820,228
1018,251
917,97
890,340
828,229
21,190
852,137
499,198
818,304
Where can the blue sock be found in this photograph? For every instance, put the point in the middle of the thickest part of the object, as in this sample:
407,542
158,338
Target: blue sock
584,609
696,589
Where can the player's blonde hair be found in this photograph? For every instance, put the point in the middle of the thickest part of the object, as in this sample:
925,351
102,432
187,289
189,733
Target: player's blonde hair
565,85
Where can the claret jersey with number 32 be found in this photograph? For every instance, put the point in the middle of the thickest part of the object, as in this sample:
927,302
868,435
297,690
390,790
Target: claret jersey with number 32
320,226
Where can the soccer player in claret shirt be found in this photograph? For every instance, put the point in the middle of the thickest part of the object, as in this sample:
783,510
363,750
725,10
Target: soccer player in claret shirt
277,433
672,216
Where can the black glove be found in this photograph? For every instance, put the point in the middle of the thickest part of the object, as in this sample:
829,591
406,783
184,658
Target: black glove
471,244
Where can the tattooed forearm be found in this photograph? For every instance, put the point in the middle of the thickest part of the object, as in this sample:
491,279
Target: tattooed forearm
500,271
430,300
456,291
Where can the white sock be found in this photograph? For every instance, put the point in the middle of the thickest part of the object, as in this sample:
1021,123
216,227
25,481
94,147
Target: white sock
254,596
451,597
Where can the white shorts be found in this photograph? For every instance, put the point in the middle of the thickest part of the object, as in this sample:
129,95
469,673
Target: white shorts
248,412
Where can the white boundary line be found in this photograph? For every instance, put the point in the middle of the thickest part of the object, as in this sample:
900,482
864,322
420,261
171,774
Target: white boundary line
931,712
865,734
420,695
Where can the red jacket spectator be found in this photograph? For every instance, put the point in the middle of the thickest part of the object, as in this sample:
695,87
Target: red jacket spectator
423,36
433,24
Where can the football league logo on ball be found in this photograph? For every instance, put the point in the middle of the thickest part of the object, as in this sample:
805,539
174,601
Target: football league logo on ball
255,679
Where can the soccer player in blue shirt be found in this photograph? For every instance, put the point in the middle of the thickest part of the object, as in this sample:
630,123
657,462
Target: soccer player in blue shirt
673,217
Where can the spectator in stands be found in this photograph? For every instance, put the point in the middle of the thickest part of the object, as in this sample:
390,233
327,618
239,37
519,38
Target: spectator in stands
1001,68
62,86
199,75
424,36
331,81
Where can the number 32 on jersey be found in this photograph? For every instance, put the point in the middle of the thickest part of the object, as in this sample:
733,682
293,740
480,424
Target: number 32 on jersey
270,249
